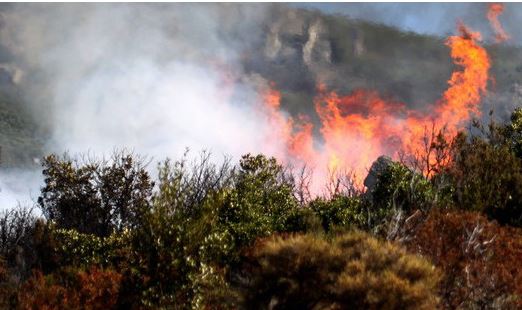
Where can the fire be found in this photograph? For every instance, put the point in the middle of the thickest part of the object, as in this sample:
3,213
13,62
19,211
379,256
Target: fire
462,98
494,11
359,127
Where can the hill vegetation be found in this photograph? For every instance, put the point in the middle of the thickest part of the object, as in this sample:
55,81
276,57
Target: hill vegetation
424,234
203,235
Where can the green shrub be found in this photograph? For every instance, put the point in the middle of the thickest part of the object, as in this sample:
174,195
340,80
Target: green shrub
398,187
261,202
95,197
202,218
513,132
340,211
81,250
487,177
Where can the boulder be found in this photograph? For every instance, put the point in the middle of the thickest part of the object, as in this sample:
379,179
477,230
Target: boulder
378,167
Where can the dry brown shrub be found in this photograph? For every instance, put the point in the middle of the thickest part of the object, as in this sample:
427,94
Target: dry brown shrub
70,289
480,259
352,270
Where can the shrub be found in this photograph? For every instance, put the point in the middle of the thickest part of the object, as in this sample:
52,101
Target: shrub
71,289
513,132
487,177
95,197
82,250
480,259
340,211
202,217
352,270
398,187
16,227
261,202
8,288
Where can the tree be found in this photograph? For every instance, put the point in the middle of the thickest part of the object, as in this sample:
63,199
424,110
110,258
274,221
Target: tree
97,197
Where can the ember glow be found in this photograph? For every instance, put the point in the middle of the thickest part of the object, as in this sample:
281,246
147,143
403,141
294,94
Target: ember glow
359,127
494,11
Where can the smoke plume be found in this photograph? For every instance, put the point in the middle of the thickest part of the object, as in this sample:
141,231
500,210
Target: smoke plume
156,79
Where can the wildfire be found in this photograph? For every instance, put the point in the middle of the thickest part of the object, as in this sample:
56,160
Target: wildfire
357,128
494,11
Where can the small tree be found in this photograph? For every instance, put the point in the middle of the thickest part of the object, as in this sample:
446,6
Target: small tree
96,197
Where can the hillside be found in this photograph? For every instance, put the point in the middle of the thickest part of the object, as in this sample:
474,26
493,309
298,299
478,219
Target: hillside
303,47
298,48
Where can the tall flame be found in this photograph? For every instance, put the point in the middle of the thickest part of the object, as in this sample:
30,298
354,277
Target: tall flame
359,127
494,11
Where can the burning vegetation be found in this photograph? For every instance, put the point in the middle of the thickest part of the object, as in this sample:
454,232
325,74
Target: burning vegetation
437,222
359,127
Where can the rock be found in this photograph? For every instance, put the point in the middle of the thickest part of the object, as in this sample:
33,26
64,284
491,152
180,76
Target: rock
377,168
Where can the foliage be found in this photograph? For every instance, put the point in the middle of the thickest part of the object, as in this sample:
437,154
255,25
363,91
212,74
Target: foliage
205,236
480,259
340,211
262,201
8,288
398,192
513,132
71,289
96,197
352,270
82,250
486,174
15,229
202,218
401,188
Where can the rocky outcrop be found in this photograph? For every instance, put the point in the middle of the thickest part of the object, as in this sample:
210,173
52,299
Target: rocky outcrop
317,50
378,167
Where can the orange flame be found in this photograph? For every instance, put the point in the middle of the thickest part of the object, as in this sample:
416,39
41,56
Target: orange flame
361,126
494,11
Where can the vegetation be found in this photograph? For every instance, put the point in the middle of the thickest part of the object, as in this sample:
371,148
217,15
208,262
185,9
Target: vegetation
351,270
109,235
241,236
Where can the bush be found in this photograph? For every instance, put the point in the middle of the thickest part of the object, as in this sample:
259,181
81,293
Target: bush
398,187
261,202
487,176
202,218
82,250
16,227
340,211
95,197
513,132
352,270
71,289
480,259
8,288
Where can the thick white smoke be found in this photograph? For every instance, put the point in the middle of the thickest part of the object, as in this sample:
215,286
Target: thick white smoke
153,78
